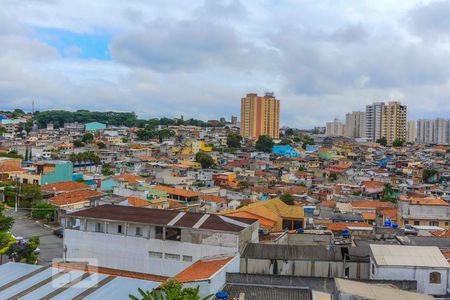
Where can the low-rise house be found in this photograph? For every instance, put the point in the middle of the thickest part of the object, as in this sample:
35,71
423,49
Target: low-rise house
424,212
426,265
161,242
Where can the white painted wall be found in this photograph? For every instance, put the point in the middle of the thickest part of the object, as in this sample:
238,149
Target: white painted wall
132,253
421,275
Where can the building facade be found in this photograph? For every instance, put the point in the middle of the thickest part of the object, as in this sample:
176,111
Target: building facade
355,123
411,132
435,131
335,128
260,116
146,240
393,122
373,121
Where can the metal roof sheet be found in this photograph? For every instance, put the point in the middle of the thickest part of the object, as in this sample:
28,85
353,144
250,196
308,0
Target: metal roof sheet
411,256
11,272
120,288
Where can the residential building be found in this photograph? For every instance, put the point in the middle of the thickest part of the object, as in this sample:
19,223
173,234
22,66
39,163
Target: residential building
146,240
411,131
93,126
335,128
426,265
373,120
435,131
393,122
355,124
260,116
424,212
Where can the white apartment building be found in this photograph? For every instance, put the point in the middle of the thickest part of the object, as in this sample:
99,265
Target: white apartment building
159,242
435,131
373,120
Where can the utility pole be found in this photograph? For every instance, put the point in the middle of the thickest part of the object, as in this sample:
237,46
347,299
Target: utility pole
16,206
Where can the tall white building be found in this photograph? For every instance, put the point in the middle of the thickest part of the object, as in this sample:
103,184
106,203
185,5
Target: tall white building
435,131
411,131
355,124
335,128
374,114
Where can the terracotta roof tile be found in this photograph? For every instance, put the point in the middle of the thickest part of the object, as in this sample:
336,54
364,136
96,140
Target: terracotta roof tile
371,204
202,270
339,226
175,191
130,178
64,186
74,197
425,201
138,202
212,198
441,233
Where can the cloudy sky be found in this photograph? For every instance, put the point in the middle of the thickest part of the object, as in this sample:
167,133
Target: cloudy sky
197,59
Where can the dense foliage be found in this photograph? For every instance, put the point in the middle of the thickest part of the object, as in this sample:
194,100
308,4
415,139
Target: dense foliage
170,290
382,141
288,199
429,175
24,251
264,143
42,210
205,160
234,140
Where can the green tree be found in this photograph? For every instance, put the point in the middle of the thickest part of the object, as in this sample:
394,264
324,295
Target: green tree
101,145
234,140
106,170
78,144
205,160
429,175
333,176
170,290
382,141
285,141
288,199
398,143
264,143
6,223
2,130
289,132
24,251
42,210
87,138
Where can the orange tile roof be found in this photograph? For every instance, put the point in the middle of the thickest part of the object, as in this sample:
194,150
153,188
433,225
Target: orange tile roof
372,184
441,233
202,270
263,222
64,186
330,204
424,201
369,216
390,212
175,204
339,226
138,202
341,166
130,178
74,197
212,198
370,204
175,191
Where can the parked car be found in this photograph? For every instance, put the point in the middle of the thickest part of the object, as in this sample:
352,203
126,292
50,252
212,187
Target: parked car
59,232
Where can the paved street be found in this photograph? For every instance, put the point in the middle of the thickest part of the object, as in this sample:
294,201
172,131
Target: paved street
51,246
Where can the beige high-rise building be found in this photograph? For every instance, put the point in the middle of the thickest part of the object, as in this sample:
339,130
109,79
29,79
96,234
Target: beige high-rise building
393,122
355,124
411,132
335,128
260,116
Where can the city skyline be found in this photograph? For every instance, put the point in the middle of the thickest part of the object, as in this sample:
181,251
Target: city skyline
160,60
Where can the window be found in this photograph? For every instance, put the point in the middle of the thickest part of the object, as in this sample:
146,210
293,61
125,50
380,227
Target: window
155,254
187,258
172,256
347,272
98,227
173,234
434,223
119,228
138,231
416,223
159,232
435,277
446,223
373,269
406,222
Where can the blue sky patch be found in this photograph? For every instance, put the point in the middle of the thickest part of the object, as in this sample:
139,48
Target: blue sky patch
72,44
